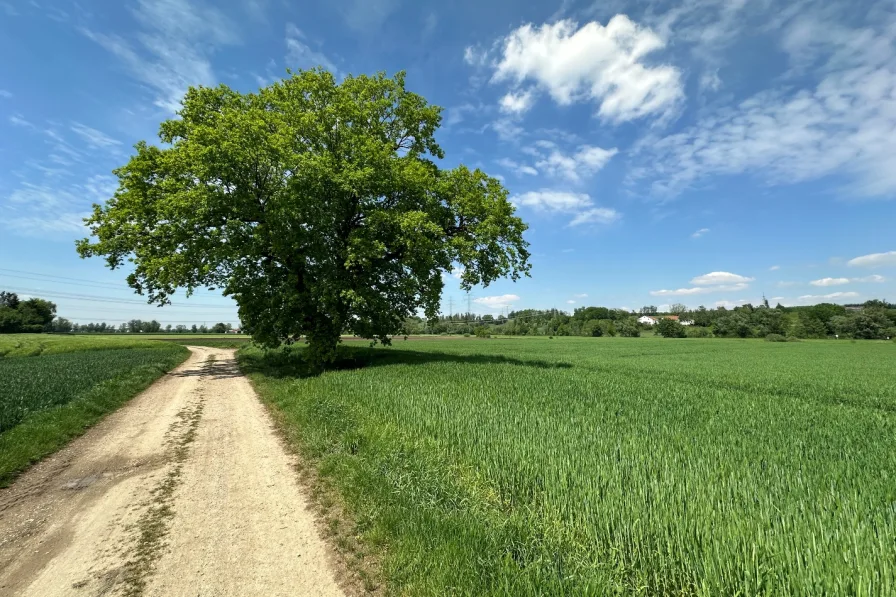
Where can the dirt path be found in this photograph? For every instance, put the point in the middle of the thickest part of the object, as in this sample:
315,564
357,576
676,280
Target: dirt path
185,491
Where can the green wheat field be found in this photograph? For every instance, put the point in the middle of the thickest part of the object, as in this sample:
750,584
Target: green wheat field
581,466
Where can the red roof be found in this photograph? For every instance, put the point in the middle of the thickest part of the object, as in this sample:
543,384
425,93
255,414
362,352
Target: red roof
675,317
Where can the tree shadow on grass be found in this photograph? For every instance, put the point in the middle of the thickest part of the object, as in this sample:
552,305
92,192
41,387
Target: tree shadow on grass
291,363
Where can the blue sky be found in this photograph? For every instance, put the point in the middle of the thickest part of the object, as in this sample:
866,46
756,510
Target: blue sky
701,151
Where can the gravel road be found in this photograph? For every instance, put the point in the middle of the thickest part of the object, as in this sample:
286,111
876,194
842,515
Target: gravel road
187,490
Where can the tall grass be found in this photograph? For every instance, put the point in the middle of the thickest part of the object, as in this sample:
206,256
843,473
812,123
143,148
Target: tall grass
609,466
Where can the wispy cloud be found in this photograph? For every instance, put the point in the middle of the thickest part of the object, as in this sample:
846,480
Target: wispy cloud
841,281
5,94
579,204
700,233
829,297
94,138
700,290
774,268
516,167
19,120
172,50
840,126
300,55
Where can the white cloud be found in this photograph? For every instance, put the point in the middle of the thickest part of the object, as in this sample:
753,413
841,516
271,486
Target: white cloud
457,114
700,233
585,162
828,297
517,103
5,94
300,55
516,167
507,129
720,278
546,200
366,16
580,296
603,64
475,56
841,125
774,268
874,260
700,290
458,272
172,49
830,282
579,204
596,215
19,120
497,302
570,302
94,138
841,281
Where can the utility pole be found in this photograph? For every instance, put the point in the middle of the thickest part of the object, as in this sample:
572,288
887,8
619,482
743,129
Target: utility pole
450,307
469,304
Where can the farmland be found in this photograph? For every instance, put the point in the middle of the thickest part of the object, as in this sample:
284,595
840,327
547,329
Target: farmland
605,466
55,387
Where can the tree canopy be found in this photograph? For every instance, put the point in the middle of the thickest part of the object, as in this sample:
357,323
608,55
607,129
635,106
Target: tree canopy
316,205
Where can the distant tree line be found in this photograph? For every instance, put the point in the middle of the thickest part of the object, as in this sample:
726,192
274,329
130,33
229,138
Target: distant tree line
35,315
874,319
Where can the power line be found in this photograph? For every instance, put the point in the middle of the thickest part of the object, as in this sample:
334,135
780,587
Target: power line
101,299
40,275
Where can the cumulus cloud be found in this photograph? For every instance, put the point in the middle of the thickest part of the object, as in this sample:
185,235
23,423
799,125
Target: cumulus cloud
700,233
517,103
570,302
594,63
720,278
874,260
574,167
548,200
497,302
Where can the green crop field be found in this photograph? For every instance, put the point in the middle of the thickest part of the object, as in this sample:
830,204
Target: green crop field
606,466
53,387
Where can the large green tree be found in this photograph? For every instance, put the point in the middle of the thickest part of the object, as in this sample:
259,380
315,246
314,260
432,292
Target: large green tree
317,205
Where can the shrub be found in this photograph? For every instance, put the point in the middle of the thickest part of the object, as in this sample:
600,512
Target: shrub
669,328
793,339
482,332
775,338
698,332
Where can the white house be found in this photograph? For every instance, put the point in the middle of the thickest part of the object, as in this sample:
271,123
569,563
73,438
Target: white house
647,320
650,320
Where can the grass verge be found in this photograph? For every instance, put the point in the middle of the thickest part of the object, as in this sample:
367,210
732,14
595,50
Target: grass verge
42,423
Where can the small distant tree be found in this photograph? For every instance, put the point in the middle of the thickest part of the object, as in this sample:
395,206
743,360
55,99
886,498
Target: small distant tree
678,309
670,328
219,328
193,328
482,331
592,328
629,328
